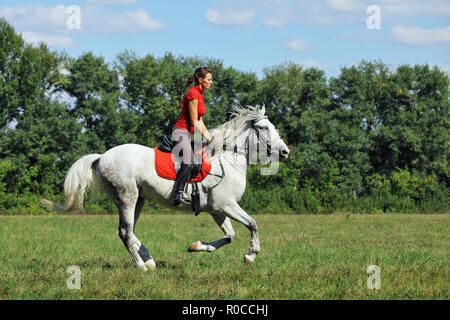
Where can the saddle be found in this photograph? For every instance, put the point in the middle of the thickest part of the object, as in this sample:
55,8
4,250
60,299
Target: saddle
165,163
165,168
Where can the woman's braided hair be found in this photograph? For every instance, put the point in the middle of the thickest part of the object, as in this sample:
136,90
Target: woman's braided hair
199,73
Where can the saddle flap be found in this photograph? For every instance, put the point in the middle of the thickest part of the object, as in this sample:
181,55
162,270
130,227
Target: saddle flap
165,166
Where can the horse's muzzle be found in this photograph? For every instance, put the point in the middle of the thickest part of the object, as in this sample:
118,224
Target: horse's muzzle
284,154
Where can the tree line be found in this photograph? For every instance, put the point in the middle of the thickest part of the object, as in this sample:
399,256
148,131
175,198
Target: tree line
372,139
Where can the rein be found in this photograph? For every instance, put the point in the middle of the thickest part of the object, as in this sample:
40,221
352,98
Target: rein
216,175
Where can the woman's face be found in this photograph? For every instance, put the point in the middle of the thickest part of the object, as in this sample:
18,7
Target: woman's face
206,82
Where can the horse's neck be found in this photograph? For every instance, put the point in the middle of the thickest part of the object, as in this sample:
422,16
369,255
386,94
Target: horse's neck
238,158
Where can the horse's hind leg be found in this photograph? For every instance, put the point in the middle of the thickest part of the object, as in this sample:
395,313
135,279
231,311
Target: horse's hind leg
126,199
225,224
143,251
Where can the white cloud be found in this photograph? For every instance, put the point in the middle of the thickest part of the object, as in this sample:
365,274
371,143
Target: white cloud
439,37
102,20
93,19
51,40
279,13
297,44
35,17
409,8
393,8
345,5
121,2
273,22
229,16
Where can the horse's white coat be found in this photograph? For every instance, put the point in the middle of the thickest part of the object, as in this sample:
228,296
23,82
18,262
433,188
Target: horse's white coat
127,174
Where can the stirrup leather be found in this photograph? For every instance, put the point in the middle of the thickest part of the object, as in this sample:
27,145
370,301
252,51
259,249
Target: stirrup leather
185,196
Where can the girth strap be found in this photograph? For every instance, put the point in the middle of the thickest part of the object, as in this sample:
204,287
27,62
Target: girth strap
216,175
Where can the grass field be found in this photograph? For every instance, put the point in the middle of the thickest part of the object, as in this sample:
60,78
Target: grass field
302,257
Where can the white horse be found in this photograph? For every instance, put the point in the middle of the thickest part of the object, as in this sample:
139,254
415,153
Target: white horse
127,174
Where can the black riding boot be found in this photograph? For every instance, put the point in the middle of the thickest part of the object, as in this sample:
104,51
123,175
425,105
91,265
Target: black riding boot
183,177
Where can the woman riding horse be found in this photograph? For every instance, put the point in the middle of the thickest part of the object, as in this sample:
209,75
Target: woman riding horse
190,120
127,173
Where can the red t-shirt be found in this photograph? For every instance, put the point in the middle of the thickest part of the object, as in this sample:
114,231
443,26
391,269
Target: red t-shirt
184,121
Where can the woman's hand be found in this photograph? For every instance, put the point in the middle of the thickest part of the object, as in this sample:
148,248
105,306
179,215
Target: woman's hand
209,140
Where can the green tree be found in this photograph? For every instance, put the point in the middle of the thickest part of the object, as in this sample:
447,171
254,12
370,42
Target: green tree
95,87
42,147
415,131
27,73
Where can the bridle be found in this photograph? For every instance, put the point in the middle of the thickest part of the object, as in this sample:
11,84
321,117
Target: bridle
260,139
259,136
246,148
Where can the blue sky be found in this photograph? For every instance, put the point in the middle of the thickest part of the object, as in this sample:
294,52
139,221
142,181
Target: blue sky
248,35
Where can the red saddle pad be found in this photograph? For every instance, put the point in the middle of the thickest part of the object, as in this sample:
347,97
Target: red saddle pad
165,166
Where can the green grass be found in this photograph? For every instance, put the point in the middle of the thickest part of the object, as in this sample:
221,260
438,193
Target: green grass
302,257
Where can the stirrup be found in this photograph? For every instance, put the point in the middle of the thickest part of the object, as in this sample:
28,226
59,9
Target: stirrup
183,199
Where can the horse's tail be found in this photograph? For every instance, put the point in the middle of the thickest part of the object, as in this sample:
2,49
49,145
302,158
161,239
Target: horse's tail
80,176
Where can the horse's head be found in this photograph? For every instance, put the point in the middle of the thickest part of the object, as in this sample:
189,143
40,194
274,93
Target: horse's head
267,136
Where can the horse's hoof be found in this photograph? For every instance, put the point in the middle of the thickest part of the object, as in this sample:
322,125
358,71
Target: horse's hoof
151,264
248,260
194,246
141,267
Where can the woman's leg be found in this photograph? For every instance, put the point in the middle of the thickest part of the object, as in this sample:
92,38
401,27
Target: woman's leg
182,151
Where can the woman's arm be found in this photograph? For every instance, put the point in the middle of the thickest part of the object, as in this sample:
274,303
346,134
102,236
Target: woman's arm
205,131
198,123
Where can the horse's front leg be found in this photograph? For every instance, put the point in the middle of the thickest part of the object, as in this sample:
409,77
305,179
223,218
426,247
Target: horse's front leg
225,224
235,212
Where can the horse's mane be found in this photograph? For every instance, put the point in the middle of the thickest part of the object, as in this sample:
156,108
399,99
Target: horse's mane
227,133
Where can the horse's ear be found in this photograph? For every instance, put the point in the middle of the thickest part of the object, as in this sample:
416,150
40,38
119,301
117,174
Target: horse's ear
263,109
